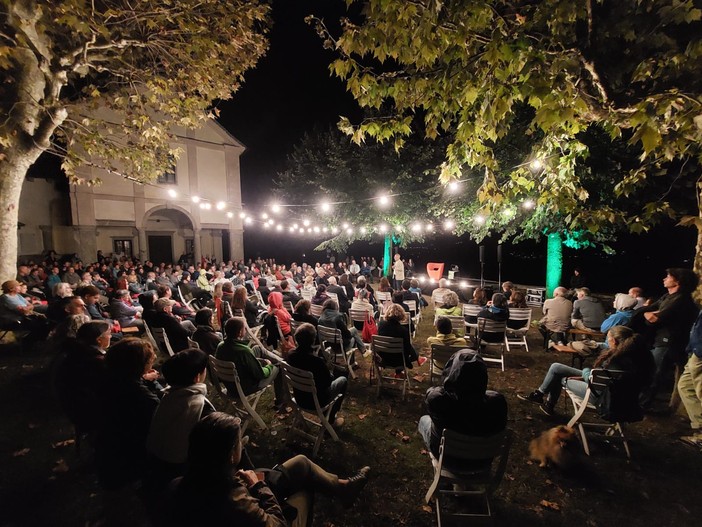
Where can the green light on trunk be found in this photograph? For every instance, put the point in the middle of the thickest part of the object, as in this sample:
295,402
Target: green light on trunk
554,262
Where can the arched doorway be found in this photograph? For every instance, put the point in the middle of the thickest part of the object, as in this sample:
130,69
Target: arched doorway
169,234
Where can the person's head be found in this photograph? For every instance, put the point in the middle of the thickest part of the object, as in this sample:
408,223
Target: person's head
414,283
624,302
70,326
147,299
499,301
90,294
443,325
321,289
163,291
122,294
583,292
332,280
305,336
518,298
384,284
406,284
284,285
130,358
262,282
450,299
685,280
218,292
95,333
636,292
330,305
215,443
10,287
62,290
395,312
397,256
164,305
309,279
507,286
75,306
397,297
344,280
185,367
227,287
478,293
443,283
617,335
240,297
303,307
466,375
560,291
203,317
235,328
275,300
362,294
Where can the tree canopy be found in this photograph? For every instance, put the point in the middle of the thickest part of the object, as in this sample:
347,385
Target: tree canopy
627,69
107,82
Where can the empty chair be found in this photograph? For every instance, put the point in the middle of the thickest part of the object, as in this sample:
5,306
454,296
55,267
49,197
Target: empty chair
518,327
470,314
454,478
303,381
491,334
244,405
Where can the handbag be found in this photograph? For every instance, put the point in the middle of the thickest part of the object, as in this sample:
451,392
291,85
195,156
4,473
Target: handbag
370,328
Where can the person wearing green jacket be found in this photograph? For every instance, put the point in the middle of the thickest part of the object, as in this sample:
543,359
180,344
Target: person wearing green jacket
254,373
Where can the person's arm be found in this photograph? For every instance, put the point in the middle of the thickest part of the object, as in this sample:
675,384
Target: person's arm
255,505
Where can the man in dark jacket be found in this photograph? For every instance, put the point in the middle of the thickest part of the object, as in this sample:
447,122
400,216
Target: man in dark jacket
176,333
340,292
463,404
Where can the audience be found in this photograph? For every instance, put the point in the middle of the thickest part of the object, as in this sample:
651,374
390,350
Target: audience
205,335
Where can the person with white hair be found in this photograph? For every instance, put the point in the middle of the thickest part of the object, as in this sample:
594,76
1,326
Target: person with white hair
437,296
557,311
625,305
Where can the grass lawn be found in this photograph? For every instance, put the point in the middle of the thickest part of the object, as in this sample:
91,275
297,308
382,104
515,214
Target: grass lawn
44,482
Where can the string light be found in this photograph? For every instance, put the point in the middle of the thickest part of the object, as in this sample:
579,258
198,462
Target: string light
416,227
453,186
334,230
275,208
295,225
479,219
528,204
448,225
248,220
172,193
325,229
383,200
292,229
363,230
242,215
221,205
325,206
398,228
349,230
344,225
316,229
266,226
279,227
196,199
264,216
306,223
429,227
536,165
230,214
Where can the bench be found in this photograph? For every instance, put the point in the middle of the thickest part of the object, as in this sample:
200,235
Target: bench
574,354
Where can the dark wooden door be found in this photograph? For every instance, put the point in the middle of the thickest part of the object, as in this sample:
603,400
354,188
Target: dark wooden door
160,249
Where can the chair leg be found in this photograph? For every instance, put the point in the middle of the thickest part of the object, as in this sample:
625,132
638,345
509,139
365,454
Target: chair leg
583,438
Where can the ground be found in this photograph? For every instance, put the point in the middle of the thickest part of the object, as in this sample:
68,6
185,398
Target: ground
44,482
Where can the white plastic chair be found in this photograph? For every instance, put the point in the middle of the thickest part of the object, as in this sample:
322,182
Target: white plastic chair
389,347
332,342
161,339
471,310
517,336
492,334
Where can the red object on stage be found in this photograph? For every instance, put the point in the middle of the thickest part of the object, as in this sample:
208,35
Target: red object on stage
435,270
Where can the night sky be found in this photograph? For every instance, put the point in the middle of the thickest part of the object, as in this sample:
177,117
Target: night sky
290,91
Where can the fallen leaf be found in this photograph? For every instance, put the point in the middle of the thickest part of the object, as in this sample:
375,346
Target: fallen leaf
549,482
550,505
425,452
27,366
427,508
20,453
60,466
361,417
419,377
509,477
353,403
530,462
393,453
405,439
529,418
67,442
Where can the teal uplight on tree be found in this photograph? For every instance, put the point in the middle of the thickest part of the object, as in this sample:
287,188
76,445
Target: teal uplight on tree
387,254
554,262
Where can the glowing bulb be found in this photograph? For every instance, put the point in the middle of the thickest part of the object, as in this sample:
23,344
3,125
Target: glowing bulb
275,208
325,206
479,219
292,229
528,204
349,230
221,205
316,229
334,230
324,229
453,186
230,214
266,226
196,199
363,230
279,227
295,225
536,165
448,225
398,228
429,227
416,227
463,285
202,206
344,225
208,206
301,230
271,221
242,215
172,193
448,282
309,229
422,279
306,223
432,281
248,220
264,216
383,228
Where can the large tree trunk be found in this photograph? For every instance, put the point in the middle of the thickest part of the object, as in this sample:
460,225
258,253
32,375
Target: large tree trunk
554,262
387,255
11,179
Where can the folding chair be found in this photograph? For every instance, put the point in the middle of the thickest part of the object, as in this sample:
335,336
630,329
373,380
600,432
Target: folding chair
334,297
470,312
161,339
624,401
458,325
287,304
415,313
440,356
193,344
358,315
451,481
315,310
306,294
492,333
385,349
185,301
260,299
332,341
303,381
244,405
520,320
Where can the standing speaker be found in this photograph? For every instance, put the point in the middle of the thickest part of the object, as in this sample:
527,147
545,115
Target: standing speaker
499,253
481,253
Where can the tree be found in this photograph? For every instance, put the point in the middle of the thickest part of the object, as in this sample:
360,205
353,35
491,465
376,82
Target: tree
626,67
327,167
107,81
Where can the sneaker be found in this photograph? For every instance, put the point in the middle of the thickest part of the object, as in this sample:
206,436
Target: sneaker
535,397
353,487
550,344
693,440
338,422
422,360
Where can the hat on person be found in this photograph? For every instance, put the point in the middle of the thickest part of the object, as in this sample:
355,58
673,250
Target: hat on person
624,301
162,303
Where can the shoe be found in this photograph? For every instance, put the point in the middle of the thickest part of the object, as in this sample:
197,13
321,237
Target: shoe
693,440
338,422
547,408
350,491
535,397
422,360
400,375
550,344
354,366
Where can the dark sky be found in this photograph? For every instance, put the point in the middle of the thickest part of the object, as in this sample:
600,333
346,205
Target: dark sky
288,92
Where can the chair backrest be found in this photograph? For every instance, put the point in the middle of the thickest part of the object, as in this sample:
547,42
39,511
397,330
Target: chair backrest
458,325
150,336
260,298
388,345
442,354
287,304
315,310
520,314
306,294
618,393
159,335
225,371
334,297
471,310
412,305
301,381
329,335
491,330
358,315
381,296
193,344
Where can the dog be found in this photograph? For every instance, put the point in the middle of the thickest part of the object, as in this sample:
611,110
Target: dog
557,446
